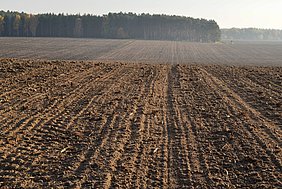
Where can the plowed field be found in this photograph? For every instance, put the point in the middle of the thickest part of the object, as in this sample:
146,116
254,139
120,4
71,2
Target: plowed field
239,53
67,124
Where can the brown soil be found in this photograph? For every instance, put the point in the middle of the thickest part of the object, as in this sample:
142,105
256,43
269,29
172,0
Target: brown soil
74,124
142,51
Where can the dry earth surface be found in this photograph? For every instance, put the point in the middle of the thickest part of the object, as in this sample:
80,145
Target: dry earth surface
113,124
239,53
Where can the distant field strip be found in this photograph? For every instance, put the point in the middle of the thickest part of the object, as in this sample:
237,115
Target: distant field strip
142,51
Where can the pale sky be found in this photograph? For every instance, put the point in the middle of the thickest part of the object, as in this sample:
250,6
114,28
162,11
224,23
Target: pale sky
227,13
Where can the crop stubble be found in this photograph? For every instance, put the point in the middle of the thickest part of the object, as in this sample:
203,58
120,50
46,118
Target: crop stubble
107,125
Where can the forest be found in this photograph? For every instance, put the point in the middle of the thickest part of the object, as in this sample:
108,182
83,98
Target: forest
113,26
251,34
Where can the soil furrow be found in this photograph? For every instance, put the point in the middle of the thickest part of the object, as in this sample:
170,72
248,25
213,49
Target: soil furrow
181,177
268,127
247,124
62,117
269,105
130,154
22,124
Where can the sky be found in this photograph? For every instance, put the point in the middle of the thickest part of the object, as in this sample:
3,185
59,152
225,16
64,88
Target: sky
227,13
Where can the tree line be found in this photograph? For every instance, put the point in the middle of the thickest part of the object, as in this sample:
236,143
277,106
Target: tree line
251,34
112,25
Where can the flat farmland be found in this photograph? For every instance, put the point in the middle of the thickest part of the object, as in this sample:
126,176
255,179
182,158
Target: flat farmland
139,114
239,53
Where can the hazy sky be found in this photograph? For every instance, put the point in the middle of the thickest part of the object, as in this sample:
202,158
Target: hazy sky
227,13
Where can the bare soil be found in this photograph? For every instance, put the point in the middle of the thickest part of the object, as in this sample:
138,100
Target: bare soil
96,124
239,53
